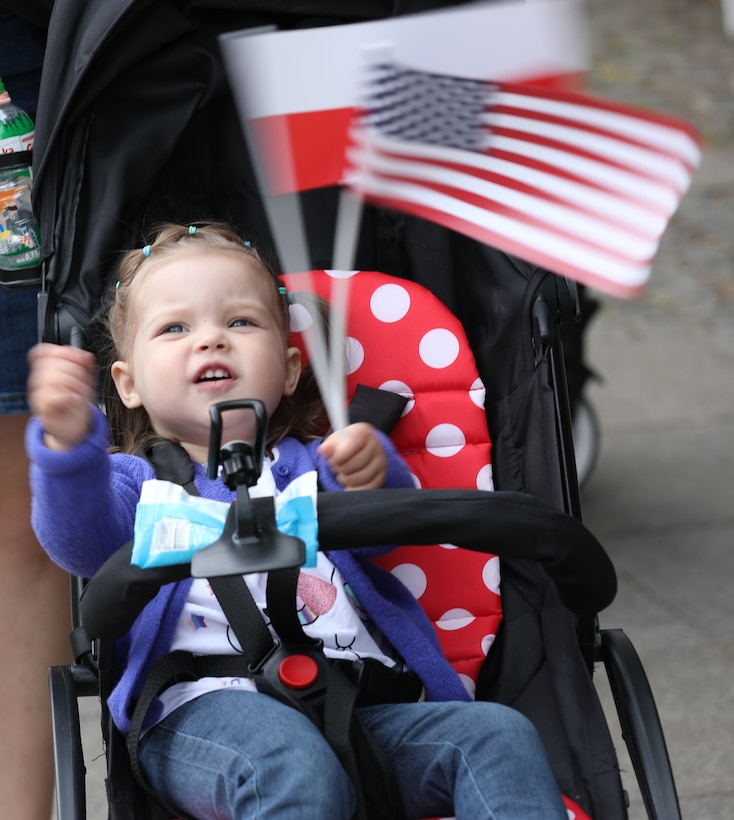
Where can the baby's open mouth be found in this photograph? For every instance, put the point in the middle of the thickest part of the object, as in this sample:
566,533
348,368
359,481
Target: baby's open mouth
214,374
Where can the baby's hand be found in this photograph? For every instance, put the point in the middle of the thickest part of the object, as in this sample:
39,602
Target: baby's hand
356,457
61,388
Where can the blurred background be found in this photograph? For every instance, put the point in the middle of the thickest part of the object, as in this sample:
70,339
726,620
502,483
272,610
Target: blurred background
661,495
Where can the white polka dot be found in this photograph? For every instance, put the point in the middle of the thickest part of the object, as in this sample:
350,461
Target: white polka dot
354,354
395,386
487,642
438,348
477,393
416,481
471,688
485,480
454,619
448,546
445,440
340,274
413,577
300,318
491,575
390,303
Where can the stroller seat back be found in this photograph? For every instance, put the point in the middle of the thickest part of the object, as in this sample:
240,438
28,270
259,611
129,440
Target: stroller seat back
400,337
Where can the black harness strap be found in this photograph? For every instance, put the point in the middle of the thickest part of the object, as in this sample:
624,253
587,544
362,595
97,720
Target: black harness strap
243,615
363,758
280,594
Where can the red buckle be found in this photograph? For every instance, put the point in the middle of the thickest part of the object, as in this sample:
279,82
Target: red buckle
298,671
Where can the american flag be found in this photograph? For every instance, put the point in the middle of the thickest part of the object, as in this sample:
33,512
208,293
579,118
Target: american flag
577,185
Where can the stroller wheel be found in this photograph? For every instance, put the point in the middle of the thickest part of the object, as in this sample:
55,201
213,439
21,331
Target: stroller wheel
586,435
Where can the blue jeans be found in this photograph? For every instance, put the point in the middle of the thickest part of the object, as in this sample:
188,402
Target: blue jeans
17,335
236,754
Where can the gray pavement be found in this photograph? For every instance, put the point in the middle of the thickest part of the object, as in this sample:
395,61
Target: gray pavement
661,497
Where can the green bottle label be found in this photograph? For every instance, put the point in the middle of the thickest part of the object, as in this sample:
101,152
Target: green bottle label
16,133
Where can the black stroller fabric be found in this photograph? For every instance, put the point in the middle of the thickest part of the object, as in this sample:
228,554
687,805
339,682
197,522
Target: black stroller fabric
136,124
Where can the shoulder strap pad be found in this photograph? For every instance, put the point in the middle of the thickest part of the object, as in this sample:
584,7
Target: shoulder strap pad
170,462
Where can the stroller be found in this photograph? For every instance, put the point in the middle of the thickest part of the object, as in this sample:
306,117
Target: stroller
112,64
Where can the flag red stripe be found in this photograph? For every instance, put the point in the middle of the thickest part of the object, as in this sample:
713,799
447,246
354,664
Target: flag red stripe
573,81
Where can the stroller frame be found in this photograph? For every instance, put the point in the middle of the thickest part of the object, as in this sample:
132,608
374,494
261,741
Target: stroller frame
99,53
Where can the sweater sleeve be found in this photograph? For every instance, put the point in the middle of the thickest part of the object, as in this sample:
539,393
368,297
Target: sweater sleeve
398,474
84,500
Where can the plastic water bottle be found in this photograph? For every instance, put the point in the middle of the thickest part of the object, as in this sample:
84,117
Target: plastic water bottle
20,241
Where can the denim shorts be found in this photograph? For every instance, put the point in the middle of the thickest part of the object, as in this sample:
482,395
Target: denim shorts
18,333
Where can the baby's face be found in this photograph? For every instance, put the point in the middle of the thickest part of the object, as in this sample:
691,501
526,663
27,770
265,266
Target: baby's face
207,330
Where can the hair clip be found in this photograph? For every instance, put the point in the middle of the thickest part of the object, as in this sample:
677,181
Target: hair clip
117,284
192,230
146,251
247,243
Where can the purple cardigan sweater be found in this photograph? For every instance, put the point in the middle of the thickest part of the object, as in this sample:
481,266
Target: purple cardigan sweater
83,510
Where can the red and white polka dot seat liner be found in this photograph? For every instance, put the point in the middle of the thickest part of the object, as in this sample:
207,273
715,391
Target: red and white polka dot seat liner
400,337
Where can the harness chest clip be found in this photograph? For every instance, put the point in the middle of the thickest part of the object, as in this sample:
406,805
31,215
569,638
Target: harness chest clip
297,675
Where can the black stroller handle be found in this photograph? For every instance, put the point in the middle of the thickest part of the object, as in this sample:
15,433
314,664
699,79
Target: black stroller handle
508,524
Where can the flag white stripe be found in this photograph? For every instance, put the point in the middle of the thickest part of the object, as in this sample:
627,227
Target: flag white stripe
553,214
535,239
657,135
604,203
641,159
644,190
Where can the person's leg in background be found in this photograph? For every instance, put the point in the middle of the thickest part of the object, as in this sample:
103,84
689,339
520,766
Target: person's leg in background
34,592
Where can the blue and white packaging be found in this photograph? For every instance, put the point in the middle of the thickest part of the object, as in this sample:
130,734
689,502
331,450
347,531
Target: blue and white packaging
171,524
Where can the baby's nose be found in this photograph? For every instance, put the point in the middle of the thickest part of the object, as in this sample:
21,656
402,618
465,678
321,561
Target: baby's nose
211,340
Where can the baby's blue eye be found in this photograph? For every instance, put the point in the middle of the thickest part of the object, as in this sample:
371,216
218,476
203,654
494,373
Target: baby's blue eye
174,327
240,322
